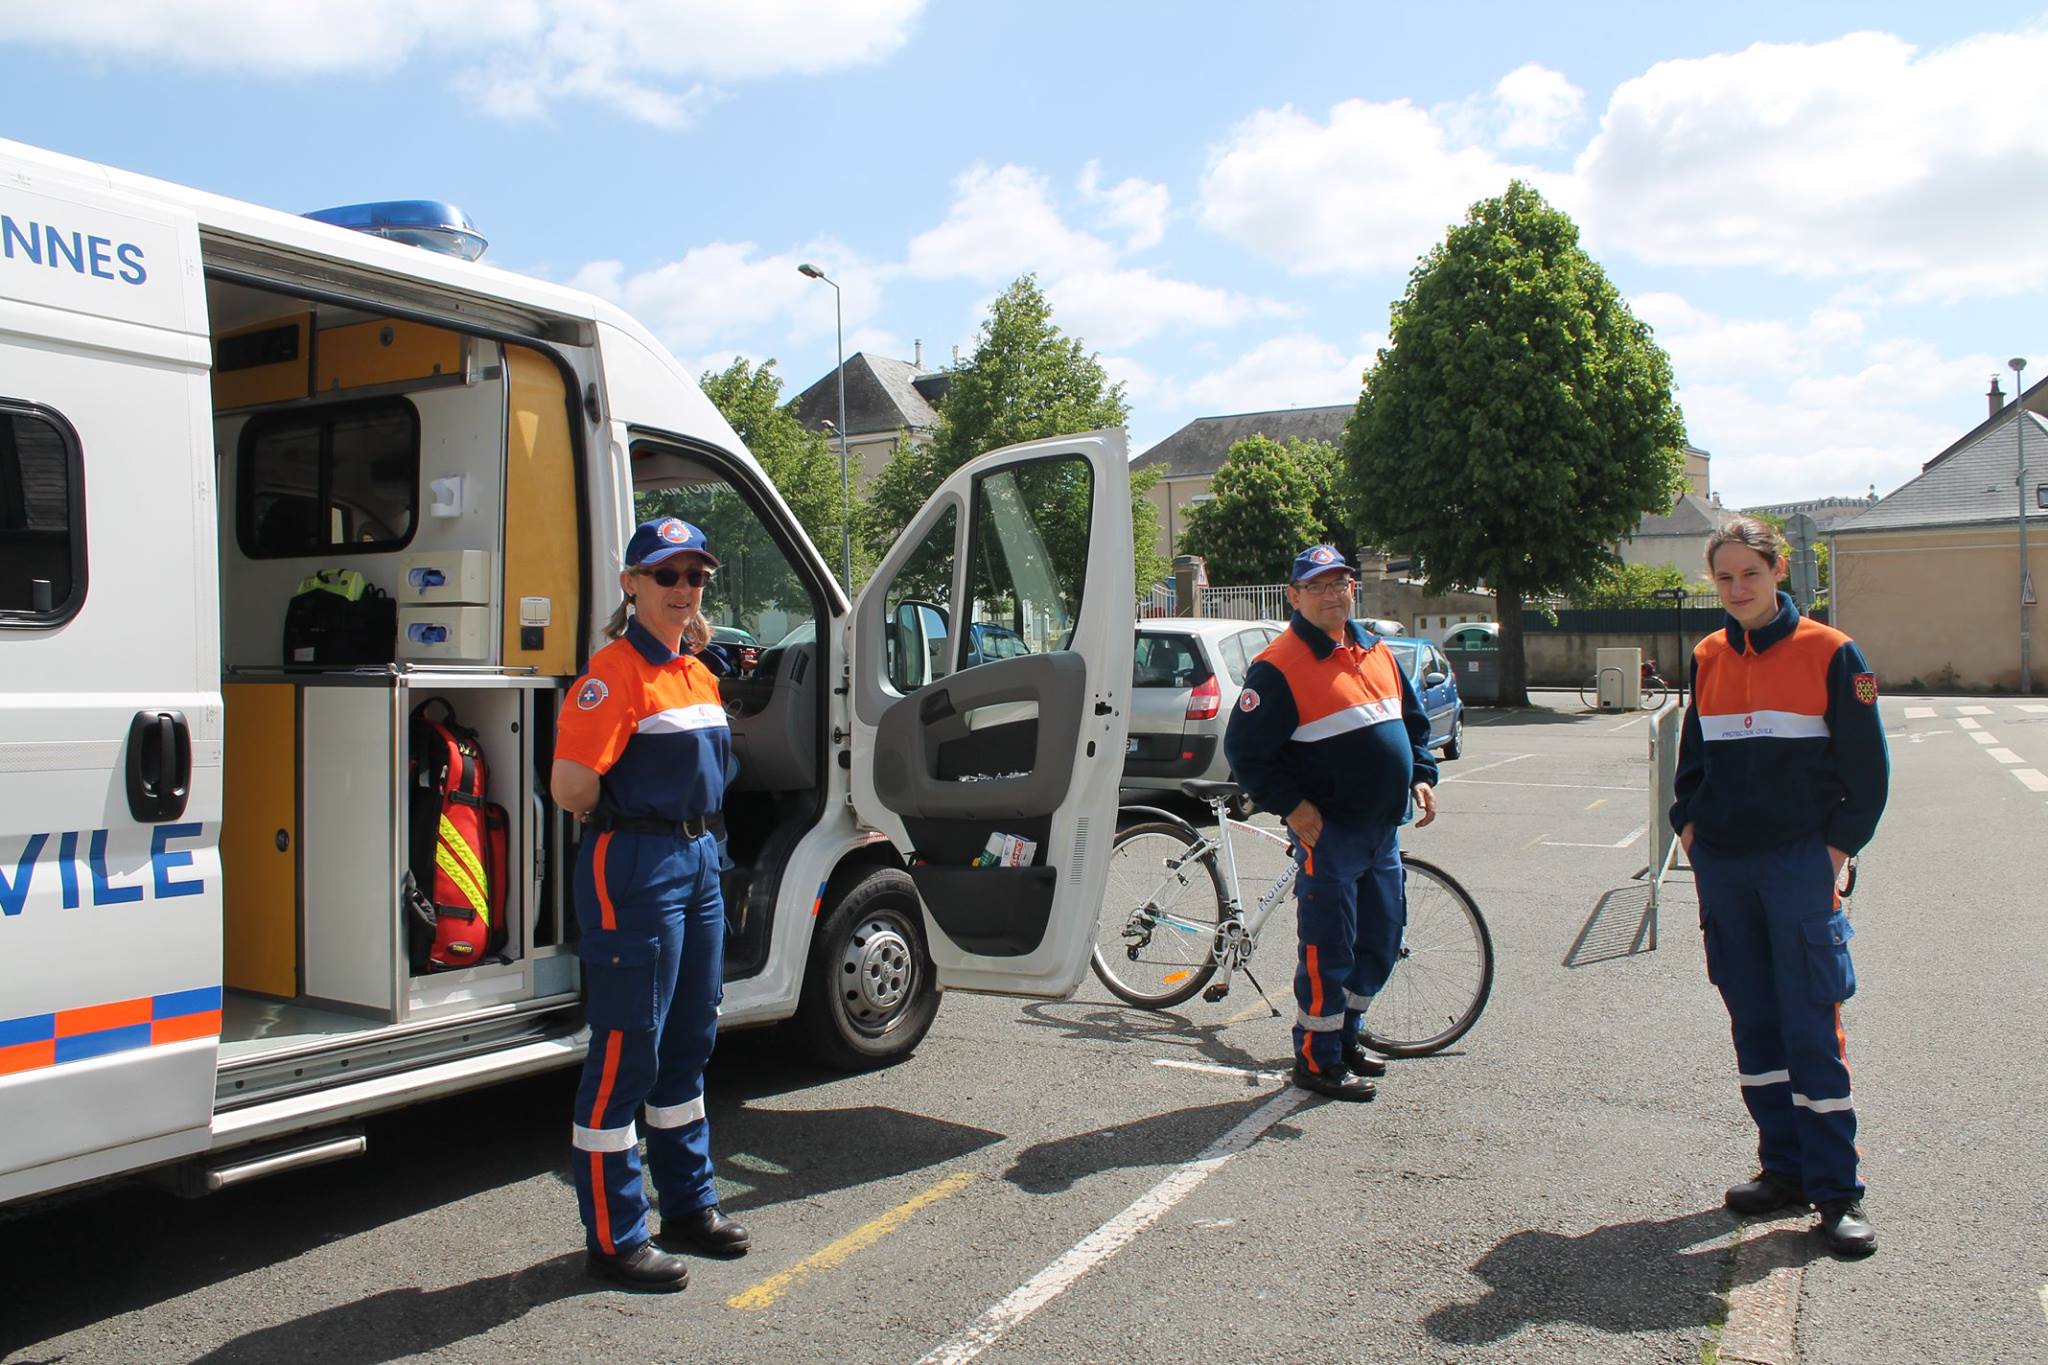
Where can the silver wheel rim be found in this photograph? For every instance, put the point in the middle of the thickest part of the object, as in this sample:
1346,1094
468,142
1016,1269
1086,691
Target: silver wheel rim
877,973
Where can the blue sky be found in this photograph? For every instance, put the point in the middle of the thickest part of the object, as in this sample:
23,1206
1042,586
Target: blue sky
1832,215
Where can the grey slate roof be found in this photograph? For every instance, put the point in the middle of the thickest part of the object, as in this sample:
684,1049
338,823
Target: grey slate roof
1200,448
1691,515
1969,483
881,395
1826,512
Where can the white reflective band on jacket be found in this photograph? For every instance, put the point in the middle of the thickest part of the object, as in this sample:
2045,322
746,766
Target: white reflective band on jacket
1357,717
603,1139
676,719
1319,1023
1763,725
675,1115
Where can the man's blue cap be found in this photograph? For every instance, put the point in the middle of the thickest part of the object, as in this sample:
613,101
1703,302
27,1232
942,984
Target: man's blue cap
665,538
1317,559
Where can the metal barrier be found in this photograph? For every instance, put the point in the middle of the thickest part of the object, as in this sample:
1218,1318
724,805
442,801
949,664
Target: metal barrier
1665,727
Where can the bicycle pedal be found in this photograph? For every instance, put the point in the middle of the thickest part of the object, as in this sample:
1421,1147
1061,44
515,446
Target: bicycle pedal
1215,993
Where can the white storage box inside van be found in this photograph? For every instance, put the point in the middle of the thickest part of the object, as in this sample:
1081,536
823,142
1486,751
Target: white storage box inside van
445,576
450,634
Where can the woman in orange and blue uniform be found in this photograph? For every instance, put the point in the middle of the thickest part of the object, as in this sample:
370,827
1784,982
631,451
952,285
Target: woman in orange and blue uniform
642,753
1782,775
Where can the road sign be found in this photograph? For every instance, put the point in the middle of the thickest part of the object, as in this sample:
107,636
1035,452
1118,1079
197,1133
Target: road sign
1801,531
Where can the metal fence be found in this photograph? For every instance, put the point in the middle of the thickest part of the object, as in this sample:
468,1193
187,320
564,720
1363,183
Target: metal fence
1257,602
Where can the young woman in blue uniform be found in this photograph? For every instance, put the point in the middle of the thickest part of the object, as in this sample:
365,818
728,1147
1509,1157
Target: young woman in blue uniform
642,753
1782,775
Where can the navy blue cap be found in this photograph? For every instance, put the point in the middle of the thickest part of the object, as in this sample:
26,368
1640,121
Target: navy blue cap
1316,559
665,538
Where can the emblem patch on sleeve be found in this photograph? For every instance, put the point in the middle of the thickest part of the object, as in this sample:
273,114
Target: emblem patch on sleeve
1247,700
1866,688
592,695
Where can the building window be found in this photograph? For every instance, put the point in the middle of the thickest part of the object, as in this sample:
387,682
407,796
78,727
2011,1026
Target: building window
42,517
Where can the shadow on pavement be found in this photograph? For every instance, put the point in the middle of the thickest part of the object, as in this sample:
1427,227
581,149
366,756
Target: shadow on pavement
1129,1026
1161,1140
1618,927
1631,1277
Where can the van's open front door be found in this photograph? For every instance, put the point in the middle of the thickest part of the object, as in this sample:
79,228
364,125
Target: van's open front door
994,733
110,705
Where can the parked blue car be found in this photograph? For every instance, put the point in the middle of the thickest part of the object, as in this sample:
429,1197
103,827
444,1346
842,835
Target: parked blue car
1436,686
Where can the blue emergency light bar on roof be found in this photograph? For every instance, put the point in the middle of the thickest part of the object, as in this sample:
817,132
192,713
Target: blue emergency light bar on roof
428,223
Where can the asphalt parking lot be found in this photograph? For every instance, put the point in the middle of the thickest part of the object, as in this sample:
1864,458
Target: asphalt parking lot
1081,1181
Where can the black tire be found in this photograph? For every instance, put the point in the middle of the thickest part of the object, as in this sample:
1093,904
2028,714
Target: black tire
1653,695
1445,973
870,993
1159,963
1454,747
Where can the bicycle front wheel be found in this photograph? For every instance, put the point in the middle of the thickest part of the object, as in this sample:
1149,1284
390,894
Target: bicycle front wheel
1444,973
1155,941
1653,695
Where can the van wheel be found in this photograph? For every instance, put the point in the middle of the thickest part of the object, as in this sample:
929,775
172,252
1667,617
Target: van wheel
870,993
1455,745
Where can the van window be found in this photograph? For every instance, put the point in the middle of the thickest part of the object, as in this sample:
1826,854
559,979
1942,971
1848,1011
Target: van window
42,517
1029,554
336,478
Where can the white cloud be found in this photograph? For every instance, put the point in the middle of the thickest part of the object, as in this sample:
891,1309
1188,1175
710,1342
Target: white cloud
1373,187
649,59
728,289
1138,207
1536,105
1856,156
1293,371
1124,307
1002,223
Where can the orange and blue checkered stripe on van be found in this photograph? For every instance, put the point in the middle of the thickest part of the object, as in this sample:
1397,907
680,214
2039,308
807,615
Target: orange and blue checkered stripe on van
31,1042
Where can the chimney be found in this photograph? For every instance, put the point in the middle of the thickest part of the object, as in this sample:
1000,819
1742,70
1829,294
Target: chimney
1996,397
917,356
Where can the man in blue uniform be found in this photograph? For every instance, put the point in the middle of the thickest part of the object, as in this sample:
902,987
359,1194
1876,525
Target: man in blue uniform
1328,734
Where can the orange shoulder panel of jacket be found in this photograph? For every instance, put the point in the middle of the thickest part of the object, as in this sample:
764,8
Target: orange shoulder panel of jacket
1791,675
1323,687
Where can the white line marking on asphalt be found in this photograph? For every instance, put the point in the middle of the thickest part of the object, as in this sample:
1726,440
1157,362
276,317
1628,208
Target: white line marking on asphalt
1113,1236
2033,779
1497,763
1919,713
1638,720
1559,786
1983,736
1218,1069
2005,756
2044,1288
2034,707
1640,831
1973,710
1969,724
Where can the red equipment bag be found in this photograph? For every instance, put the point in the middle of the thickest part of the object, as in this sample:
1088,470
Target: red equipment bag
460,846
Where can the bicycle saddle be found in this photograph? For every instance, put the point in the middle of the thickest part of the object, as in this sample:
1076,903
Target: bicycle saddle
1210,791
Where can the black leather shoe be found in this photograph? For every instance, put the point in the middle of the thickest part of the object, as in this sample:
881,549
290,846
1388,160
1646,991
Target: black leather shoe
646,1266
1363,1060
1846,1228
1768,1193
706,1230
1338,1085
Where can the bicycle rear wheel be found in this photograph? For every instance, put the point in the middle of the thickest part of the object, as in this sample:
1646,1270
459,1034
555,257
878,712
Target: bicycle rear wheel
1445,972
1155,941
1653,694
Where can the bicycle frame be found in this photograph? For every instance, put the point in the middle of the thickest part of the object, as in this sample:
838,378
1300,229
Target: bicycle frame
1237,933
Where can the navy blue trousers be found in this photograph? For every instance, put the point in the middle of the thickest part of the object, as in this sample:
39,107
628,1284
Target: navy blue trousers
1351,906
652,912
1778,949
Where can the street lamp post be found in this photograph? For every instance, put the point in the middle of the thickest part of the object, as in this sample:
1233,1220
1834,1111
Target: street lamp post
845,487
2019,391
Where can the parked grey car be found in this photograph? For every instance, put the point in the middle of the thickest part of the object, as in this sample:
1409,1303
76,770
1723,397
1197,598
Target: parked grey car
1185,678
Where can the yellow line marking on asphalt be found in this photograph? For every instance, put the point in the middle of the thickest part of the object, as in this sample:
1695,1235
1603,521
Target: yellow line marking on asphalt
1248,1012
1597,802
859,1240
1537,840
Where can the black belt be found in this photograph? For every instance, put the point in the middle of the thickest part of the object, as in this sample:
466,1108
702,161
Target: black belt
692,828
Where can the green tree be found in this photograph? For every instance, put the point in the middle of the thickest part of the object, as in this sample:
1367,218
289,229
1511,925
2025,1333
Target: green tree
1520,423
802,466
1332,507
1025,381
1631,585
1262,510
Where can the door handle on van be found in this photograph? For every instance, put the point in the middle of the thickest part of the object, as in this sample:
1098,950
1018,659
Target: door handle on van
159,766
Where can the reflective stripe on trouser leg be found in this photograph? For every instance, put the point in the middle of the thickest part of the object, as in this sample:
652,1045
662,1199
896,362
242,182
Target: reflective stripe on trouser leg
1382,914
1325,925
606,1168
679,1154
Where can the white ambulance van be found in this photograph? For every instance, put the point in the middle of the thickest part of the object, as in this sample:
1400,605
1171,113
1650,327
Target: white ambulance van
204,958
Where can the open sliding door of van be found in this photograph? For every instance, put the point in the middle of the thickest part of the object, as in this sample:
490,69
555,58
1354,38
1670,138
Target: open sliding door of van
110,711
988,736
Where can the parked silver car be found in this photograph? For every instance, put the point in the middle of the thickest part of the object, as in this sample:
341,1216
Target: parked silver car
1185,678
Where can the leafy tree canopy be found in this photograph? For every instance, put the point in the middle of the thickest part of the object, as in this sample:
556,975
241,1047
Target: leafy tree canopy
1520,423
1634,585
1263,509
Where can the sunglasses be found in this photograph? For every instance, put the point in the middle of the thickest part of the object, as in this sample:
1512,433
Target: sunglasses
668,577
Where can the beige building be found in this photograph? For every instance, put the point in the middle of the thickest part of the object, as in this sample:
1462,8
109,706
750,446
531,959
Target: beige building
1928,580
